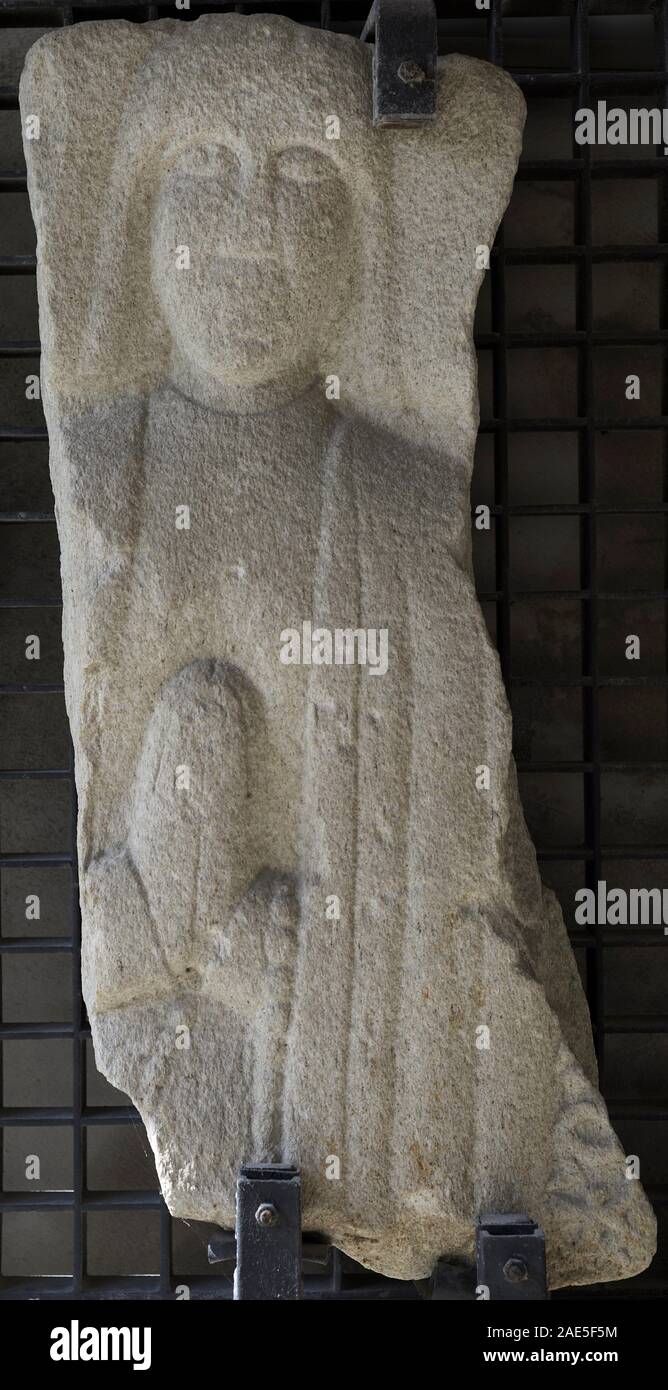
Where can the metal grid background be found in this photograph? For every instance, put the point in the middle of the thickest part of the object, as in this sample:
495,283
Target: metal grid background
580,85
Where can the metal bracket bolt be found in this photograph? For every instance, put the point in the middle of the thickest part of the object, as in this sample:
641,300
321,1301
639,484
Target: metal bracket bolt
515,1271
267,1215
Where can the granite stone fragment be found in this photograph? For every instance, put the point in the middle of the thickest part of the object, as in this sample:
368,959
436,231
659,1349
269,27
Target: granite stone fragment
313,925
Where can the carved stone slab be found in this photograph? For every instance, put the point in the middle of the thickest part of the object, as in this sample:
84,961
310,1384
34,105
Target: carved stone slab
314,929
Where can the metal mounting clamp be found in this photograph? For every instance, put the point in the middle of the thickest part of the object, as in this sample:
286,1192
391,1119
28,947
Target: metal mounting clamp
404,61
268,1236
510,1255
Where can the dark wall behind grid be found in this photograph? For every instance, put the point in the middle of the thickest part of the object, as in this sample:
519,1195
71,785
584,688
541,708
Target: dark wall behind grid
577,480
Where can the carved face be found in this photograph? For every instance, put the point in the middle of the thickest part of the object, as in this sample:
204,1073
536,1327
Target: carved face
251,257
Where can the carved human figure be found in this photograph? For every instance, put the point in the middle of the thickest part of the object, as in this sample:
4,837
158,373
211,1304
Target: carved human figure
314,929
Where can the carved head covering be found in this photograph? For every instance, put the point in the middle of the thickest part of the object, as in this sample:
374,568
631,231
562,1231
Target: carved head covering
345,232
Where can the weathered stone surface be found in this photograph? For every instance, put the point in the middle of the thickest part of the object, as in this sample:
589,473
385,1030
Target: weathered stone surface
226,798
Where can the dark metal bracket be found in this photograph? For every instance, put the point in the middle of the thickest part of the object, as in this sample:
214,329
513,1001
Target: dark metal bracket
404,61
510,1265
268,1237
510,1258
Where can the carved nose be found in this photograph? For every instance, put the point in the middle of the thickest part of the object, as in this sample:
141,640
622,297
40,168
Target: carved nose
249,229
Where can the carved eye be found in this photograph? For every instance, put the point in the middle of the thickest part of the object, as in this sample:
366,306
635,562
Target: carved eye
304,165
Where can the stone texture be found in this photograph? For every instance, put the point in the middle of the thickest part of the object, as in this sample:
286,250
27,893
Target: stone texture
205,906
